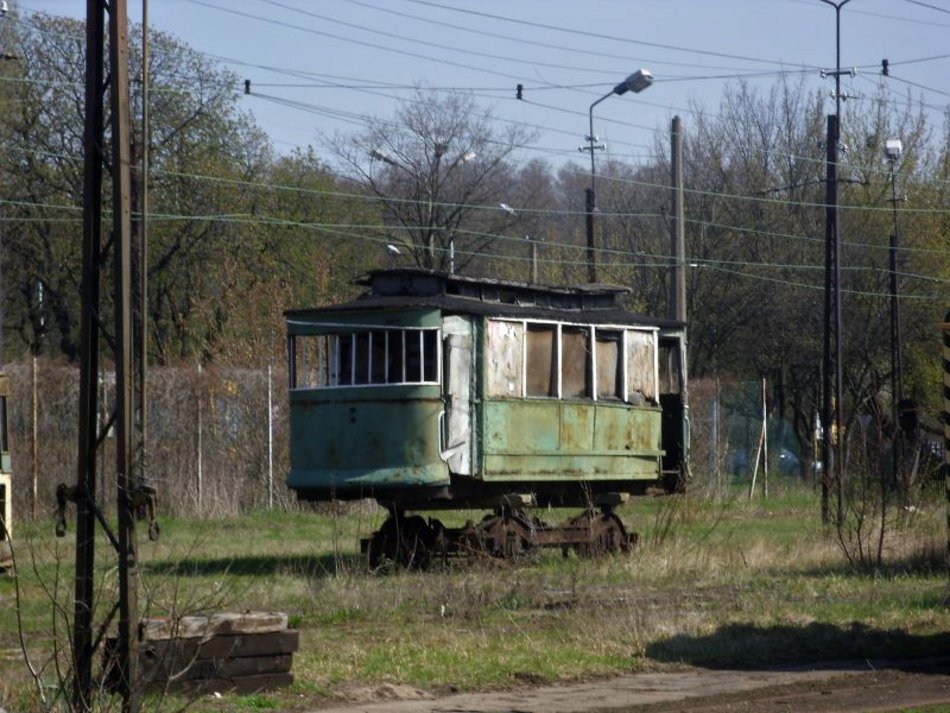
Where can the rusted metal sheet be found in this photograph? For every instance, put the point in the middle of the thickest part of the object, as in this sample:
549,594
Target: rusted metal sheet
576,427
351,442
558,441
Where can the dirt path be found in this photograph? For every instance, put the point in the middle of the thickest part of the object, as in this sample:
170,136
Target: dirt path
851,686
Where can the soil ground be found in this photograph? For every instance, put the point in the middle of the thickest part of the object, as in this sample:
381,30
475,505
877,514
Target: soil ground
834,687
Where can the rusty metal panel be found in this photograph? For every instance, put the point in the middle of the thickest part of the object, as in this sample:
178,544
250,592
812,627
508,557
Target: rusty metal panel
577,426
350,442
558,441
504,358
635,430
521,426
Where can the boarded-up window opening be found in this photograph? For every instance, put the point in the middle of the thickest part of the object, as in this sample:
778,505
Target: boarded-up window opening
641,367
575,363
609,364
541,365
504,357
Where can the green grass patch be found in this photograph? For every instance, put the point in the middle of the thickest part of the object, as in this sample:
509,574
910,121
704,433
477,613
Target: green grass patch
723,582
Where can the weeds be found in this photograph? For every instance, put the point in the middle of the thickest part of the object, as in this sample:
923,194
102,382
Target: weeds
714,583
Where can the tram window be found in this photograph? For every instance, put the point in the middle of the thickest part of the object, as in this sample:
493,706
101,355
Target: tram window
575,363
541,376
430,351
310,357
609,365
344,360
413,356
361,361
395,356
377,356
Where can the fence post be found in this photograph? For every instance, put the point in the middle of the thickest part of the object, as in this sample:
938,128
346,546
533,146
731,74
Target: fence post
199,390
270,437
945,327
36,437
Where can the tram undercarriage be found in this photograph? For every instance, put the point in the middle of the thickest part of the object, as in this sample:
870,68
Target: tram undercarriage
414,542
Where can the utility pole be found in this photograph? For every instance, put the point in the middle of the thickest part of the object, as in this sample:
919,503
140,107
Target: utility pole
892,151
678,226
833,406
85,494
130,494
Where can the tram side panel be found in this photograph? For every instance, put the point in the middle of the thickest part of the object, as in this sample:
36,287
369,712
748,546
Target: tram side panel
366,405
569,403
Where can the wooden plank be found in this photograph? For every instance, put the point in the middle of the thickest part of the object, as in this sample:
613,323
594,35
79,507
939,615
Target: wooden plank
188,627
225,646
158,670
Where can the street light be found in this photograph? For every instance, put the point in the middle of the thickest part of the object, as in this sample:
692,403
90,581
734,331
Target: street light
636,83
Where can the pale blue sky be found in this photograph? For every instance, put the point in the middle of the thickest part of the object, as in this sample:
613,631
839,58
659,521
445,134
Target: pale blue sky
338,61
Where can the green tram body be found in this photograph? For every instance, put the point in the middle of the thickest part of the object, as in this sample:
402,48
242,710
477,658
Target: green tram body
440,391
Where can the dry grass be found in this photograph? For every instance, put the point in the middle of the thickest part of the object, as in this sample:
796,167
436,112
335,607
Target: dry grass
717,582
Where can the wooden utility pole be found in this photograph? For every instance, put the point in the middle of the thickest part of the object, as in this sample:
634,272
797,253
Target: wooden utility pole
85,494
678,226
124,371
129,492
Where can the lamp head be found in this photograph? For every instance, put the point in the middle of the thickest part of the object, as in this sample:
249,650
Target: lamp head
636,82
893,148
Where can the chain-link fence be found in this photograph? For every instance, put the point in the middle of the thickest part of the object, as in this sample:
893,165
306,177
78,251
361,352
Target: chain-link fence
217,438
734,435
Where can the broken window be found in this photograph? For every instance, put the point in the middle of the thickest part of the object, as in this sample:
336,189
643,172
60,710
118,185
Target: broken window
541,345
671,368
609,364
575,363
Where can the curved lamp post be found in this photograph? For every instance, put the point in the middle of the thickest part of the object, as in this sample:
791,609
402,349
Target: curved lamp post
636,83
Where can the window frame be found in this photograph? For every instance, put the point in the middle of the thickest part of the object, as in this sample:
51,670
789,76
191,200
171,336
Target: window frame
361,369
591,369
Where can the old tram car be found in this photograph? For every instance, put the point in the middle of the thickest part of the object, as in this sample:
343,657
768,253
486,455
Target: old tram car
435,391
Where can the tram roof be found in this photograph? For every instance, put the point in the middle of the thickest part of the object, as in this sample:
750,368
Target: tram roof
415,288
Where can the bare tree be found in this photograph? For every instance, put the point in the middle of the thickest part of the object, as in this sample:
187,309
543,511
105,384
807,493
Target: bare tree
441,168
